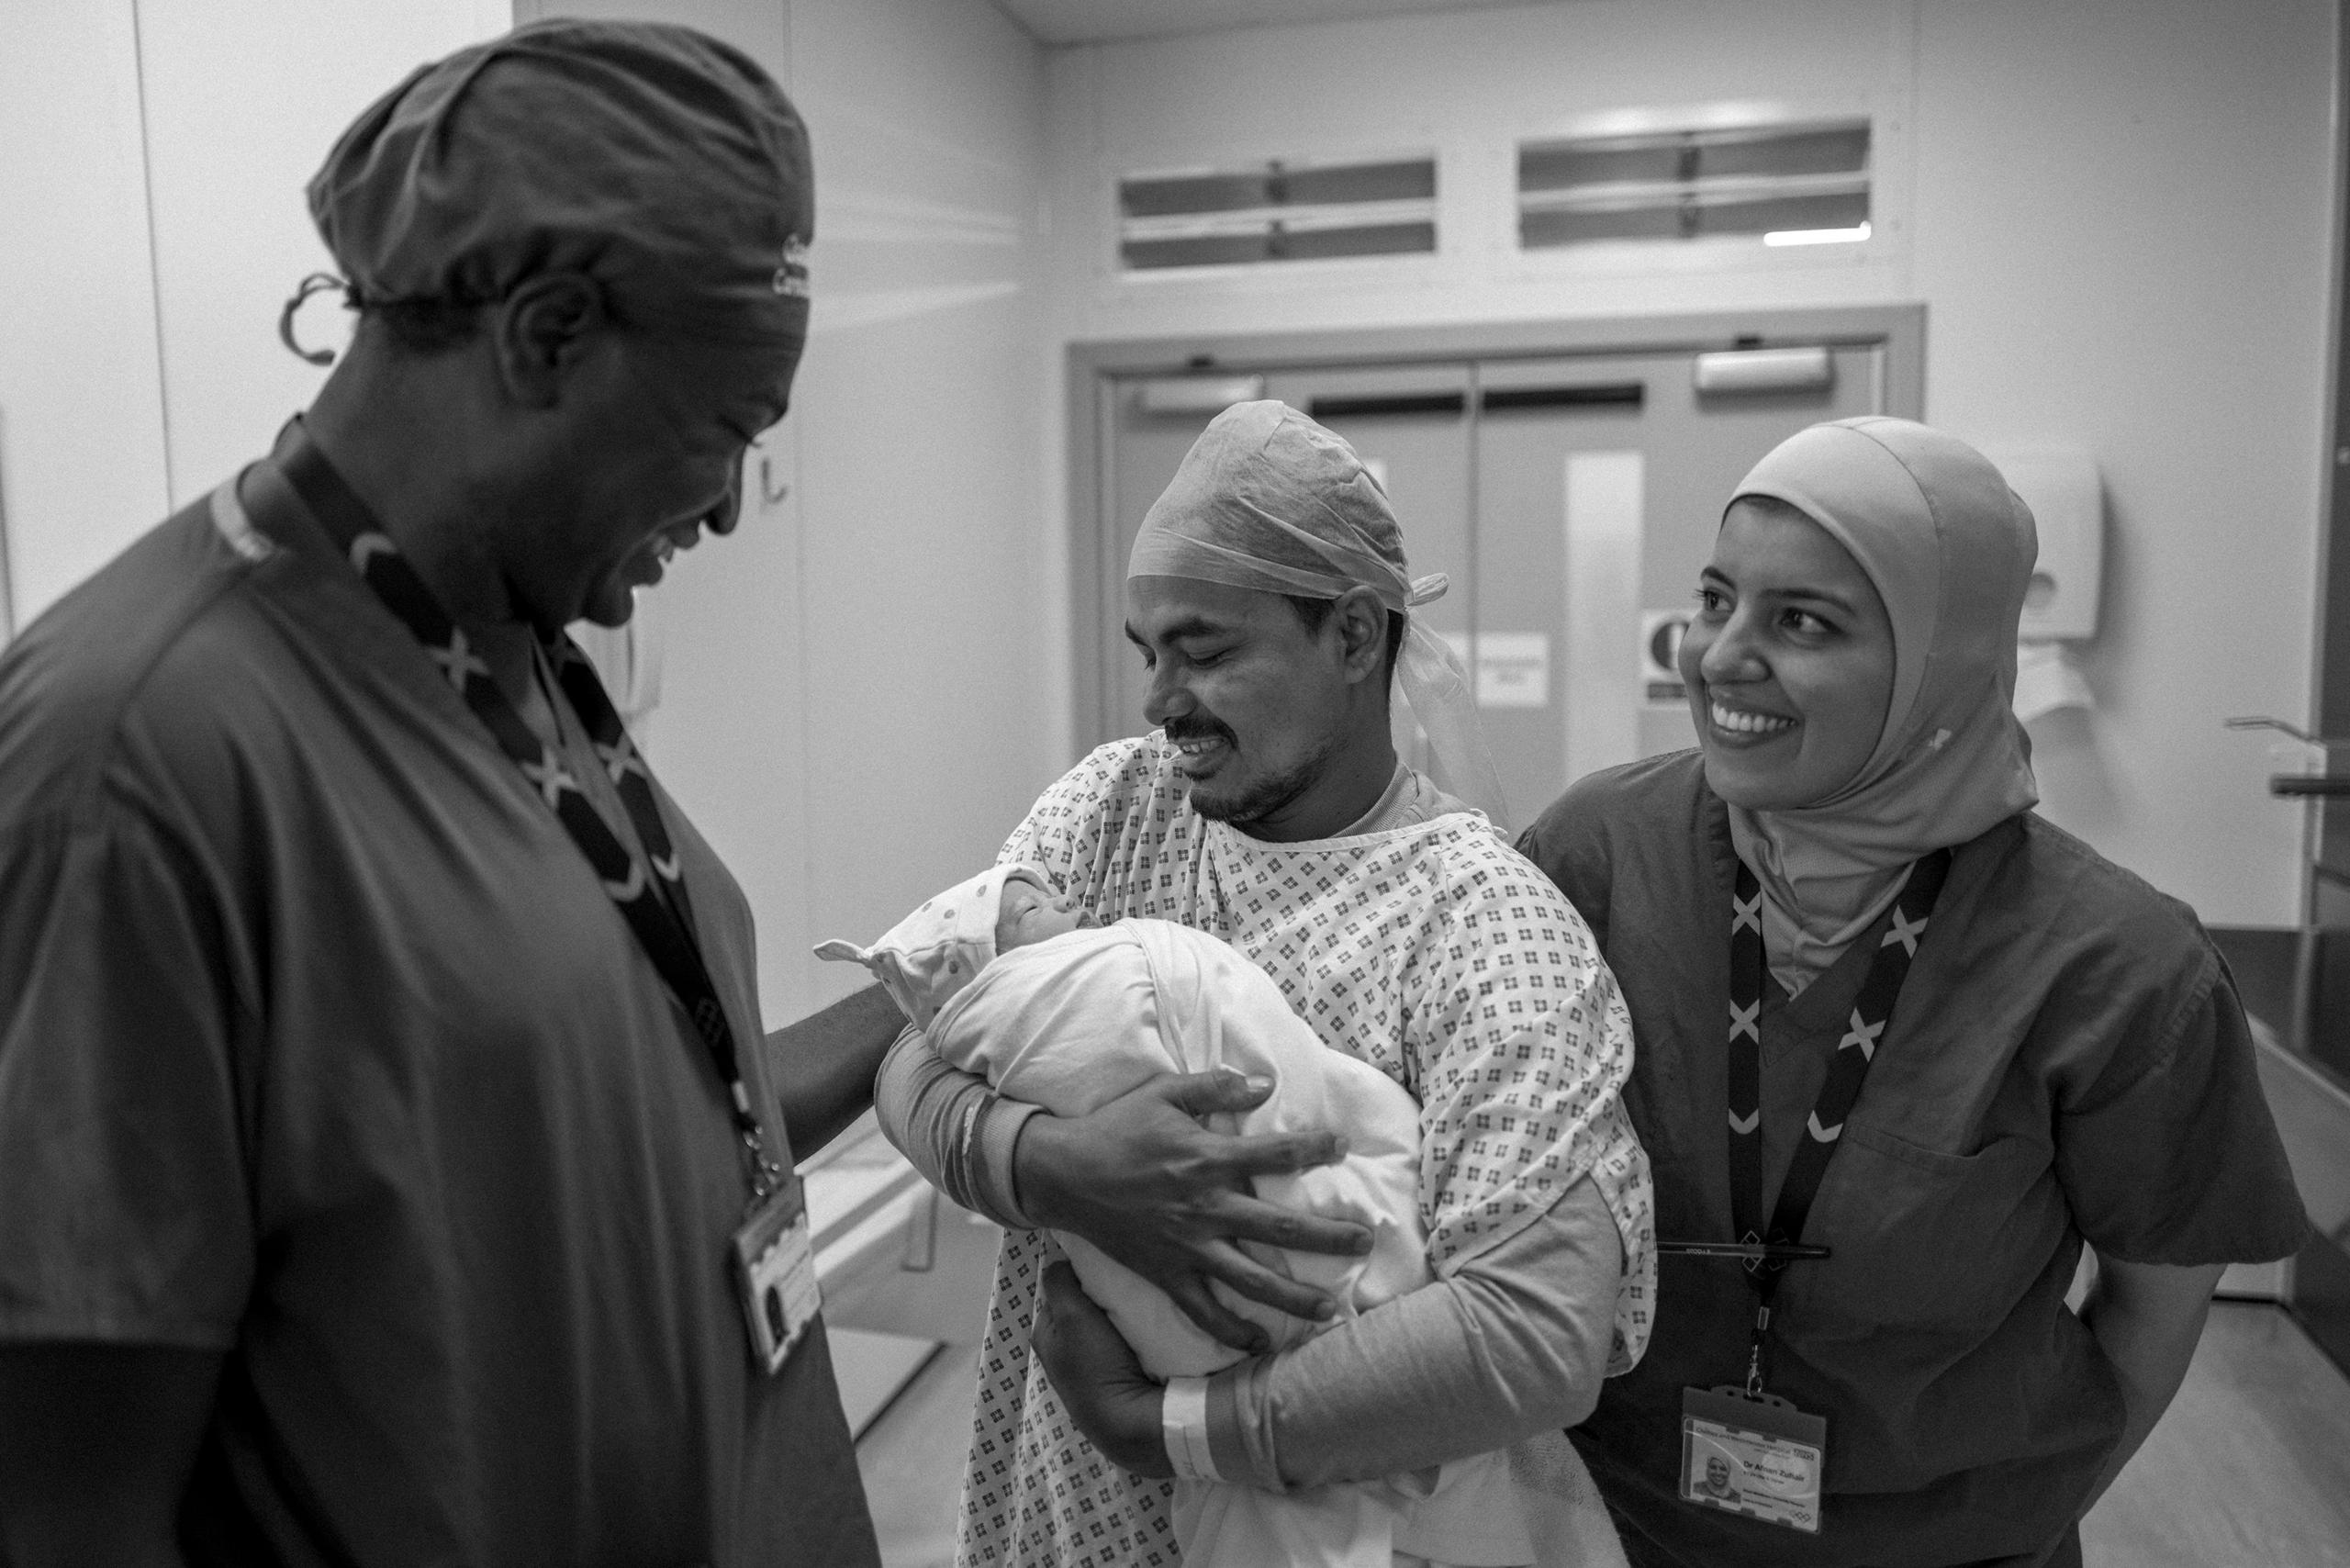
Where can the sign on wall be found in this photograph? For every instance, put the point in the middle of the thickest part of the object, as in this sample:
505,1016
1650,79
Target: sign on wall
1660,633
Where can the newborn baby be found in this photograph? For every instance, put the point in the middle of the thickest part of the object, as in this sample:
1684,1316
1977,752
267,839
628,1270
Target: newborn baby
1018,985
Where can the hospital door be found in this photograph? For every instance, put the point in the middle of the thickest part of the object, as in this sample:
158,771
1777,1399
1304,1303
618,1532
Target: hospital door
1570,500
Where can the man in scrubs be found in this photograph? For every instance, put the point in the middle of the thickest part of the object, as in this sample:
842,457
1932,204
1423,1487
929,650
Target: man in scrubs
394,1168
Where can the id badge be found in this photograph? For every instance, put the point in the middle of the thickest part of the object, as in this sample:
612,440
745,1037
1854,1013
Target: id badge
775,1273
1762,1458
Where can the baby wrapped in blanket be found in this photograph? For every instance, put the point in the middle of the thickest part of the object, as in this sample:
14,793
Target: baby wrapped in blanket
1021,987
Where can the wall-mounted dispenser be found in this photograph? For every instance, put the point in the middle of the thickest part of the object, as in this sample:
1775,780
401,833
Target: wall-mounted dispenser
2067,502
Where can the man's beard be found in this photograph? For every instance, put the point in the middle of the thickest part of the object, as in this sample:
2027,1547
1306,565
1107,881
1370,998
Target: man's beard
1263,797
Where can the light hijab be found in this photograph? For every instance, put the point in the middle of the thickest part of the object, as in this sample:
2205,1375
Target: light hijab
1268,500
1950,550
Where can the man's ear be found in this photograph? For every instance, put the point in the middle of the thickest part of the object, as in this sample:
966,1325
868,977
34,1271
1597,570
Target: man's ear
540,332
1362,620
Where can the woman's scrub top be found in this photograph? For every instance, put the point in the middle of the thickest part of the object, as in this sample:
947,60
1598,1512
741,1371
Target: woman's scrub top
2067,1061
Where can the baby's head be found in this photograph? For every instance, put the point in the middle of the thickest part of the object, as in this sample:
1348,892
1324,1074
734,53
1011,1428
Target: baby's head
932,953
1027,911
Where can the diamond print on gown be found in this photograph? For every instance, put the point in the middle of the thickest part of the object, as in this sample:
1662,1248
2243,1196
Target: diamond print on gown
1433,952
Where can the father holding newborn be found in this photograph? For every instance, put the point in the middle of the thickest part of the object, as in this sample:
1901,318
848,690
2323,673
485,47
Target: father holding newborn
1267,595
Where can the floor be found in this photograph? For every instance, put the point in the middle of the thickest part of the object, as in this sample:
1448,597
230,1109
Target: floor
912,1461
2250,1466
912,1453
2249,1469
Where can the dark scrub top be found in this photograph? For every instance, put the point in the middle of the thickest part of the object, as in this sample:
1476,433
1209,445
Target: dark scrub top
321,1047
2067,1059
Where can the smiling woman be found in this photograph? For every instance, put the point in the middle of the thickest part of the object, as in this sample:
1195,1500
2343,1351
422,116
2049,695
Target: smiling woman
1961,1046
1788,662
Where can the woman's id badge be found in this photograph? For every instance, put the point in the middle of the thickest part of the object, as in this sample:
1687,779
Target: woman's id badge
1762,1458
775,1269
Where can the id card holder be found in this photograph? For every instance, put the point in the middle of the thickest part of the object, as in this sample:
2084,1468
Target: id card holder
775,1274
1760,1458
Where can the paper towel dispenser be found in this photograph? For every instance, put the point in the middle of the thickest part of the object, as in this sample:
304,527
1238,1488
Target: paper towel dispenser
2067,502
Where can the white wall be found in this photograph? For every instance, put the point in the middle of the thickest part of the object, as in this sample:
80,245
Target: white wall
920,415
81,396
152,155
244,98
2116,212
2176,330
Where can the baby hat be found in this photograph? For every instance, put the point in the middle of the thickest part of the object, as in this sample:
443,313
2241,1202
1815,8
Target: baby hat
933,952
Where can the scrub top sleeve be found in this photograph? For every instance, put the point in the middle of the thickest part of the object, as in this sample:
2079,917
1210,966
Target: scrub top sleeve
2170,1155
129,1215
1574,857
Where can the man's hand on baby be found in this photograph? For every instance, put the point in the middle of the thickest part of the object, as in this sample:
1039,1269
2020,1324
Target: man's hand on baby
1142,1179
1101,1384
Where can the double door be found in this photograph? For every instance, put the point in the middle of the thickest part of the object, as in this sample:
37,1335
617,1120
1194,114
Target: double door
1570,499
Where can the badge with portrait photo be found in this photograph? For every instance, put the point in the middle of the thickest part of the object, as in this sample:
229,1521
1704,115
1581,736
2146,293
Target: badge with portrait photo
1760,1458
775,1273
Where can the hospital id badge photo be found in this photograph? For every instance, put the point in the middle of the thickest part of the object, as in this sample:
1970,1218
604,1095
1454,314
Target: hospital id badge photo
1762,1458
775,1271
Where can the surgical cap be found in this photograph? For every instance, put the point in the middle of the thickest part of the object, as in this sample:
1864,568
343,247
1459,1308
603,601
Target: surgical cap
661,162
1268,501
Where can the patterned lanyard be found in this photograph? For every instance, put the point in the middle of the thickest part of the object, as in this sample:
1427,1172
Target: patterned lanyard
655,907
1871,1011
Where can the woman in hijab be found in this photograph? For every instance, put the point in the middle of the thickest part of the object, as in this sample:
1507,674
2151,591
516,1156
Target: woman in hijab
1903,1048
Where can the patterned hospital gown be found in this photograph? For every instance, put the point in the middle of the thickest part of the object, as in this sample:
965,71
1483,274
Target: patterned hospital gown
1435,953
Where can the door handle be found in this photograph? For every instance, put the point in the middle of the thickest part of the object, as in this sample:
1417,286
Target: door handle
2320,786
1589,395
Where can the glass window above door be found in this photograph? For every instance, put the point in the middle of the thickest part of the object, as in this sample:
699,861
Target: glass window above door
1279,210
1783,183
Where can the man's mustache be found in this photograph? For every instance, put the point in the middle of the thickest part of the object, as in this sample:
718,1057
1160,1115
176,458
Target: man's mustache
1200,726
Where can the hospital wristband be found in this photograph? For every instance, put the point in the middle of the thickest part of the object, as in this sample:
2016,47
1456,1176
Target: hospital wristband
1183,1424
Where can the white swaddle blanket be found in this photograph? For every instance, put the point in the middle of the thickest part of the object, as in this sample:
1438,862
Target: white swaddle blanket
1073,1022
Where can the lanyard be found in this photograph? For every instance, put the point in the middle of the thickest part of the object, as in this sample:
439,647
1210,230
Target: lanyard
655,907
1871,1011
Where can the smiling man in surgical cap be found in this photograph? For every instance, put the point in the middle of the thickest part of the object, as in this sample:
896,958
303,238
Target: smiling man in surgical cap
1268,596
395,1167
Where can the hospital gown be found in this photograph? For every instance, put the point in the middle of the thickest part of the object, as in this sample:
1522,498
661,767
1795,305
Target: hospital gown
1441,959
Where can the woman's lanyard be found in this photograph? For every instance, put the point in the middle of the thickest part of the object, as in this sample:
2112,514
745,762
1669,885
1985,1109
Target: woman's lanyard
655,906
1769,1251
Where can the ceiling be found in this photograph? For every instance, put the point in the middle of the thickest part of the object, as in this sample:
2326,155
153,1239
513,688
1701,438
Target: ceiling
1095,21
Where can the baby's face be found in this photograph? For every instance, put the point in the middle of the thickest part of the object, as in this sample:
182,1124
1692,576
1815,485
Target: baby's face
1028,913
